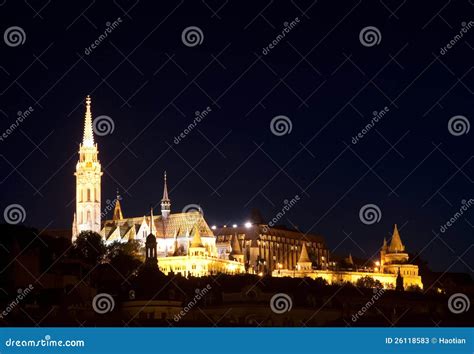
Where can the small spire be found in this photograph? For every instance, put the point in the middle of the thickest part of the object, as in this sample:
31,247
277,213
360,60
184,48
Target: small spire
165,201
88,139
304,258
118,208
396,244
196,241
236,249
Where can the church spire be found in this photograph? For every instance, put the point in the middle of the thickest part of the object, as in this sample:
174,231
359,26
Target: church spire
118,208
165,201
88,139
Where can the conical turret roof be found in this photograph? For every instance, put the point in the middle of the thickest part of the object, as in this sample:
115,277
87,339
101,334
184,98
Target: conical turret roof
304,257
396,244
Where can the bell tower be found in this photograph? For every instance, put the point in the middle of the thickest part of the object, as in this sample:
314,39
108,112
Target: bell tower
88,176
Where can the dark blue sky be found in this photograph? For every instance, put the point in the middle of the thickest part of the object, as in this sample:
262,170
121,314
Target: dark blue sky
319,75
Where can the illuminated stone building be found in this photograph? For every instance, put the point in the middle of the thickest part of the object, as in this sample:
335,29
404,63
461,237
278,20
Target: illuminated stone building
393,264
183,243
264,249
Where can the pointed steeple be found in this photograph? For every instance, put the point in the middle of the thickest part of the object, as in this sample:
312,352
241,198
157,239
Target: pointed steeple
118,208
396,244
196,241
236,249
304,258
165,201
88,140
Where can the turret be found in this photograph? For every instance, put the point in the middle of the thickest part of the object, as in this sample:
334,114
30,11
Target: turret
304,262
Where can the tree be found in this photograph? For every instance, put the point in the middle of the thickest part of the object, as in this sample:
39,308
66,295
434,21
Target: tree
320,281
368,282
89,247
124,257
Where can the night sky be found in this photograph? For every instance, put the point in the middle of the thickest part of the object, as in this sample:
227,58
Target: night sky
320,76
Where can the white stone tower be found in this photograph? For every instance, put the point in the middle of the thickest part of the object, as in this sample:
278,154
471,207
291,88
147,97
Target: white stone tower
88,174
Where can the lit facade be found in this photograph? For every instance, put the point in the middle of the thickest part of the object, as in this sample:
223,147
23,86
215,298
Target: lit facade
393,265
183,243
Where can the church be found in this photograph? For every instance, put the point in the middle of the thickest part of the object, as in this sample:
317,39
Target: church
183,243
